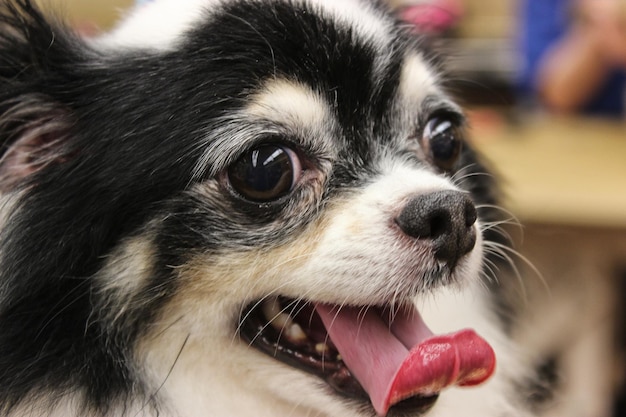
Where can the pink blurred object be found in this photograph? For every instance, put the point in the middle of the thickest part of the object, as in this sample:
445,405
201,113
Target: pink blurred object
434,16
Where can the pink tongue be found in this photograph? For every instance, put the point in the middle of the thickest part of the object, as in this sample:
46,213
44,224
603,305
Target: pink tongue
393,362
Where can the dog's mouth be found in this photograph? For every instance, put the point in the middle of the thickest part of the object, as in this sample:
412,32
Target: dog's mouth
388,356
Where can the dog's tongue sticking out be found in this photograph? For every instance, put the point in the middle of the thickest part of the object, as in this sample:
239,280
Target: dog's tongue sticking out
397,359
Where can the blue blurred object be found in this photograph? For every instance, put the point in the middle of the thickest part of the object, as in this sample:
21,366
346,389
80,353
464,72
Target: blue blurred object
543,23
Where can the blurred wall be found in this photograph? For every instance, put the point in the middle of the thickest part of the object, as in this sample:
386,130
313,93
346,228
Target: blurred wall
489,19
484,18
100,14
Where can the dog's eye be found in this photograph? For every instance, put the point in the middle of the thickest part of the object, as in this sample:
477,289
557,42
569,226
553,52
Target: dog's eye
442,141
265,173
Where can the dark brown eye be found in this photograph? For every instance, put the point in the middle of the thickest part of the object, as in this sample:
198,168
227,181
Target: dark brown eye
265,173
442,140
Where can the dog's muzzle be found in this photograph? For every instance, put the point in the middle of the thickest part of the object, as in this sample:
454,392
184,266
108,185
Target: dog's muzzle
382,352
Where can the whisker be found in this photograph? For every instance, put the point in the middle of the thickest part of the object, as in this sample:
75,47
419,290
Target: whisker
273,293
497,250
282,330
327,338
514,219
169,372
496,228
525,260
243,318
361,317
492,267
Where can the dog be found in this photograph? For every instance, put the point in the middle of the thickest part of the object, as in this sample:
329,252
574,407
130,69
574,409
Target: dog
244,208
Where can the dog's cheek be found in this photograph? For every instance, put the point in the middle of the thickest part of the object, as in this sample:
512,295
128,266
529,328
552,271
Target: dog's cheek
123,278
245,275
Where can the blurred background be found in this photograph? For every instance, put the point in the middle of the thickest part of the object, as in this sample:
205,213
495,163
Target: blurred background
543,82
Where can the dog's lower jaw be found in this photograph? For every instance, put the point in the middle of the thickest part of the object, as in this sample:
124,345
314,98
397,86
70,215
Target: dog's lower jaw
214,373
225,377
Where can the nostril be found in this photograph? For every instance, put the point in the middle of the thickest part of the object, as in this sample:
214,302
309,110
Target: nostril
440,224
470,213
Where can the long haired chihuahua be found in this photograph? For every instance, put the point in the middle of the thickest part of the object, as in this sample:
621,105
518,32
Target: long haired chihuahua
243,208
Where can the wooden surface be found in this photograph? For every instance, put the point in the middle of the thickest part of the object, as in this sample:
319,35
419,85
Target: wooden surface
560,170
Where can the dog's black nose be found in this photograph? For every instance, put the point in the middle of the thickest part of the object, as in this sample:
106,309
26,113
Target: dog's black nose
445,217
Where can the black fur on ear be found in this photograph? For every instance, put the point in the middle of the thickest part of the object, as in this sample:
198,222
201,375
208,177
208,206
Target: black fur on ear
33,125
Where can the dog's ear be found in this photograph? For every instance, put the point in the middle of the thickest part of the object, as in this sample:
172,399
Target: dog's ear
33,134
34,125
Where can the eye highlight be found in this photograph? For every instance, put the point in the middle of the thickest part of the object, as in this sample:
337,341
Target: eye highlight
442,141
265,173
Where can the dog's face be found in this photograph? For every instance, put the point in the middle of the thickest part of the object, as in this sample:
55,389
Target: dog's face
211,197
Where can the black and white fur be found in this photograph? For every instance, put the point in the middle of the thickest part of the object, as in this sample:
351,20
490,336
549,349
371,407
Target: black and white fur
125,260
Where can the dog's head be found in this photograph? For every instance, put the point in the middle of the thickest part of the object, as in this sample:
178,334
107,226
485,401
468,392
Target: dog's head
245,195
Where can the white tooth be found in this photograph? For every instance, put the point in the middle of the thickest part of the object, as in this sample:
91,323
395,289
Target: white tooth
295,334
322,348
339,358
271,308
282,321
273,314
